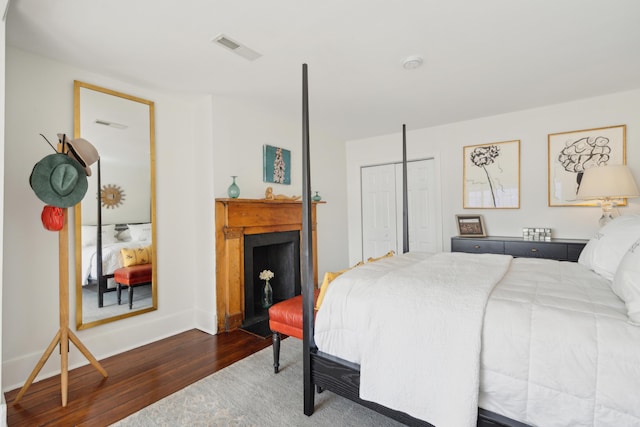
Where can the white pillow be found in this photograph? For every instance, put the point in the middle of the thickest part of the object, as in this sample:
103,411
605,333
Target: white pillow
140,232
89,235
124,235
605,250
626,283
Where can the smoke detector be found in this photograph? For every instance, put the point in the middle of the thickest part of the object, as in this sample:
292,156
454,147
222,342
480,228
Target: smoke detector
235,47
412,62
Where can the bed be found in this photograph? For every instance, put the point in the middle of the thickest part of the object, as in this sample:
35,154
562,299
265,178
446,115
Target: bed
458,339
101,254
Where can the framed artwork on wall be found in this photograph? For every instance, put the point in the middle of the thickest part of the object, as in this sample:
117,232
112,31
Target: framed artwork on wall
492,175
276,165
570,153
470,226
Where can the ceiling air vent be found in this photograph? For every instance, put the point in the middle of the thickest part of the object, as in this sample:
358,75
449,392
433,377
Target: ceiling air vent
236,47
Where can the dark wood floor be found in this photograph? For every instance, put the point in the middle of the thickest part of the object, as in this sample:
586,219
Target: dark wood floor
136,379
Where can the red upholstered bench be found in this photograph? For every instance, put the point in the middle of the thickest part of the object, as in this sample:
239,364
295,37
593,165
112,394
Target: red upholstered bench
285,318
132,276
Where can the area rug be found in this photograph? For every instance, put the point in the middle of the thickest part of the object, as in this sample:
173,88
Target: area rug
248,393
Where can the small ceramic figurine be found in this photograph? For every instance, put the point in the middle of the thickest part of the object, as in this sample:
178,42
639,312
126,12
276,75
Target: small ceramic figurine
268,194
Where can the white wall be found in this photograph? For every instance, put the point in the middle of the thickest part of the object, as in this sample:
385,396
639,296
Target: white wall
200,141
532,127
39,99
240,131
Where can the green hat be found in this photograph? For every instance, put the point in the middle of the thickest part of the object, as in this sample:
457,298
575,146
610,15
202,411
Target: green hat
58,180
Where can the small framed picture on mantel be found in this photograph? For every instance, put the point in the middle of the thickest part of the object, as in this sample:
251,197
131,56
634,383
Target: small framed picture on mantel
470,226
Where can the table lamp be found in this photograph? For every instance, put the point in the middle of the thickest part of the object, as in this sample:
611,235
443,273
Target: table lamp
607,184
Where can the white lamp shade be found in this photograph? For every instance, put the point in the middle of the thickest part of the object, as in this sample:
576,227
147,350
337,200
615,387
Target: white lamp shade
615,182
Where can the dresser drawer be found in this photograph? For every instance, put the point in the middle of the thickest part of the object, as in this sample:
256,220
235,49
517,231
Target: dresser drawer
477,246
536,250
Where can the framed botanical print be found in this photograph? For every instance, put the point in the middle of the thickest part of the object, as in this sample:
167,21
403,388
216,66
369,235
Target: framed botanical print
276,165
492,175
570,153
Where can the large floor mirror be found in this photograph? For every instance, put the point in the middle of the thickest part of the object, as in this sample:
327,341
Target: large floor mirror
115,222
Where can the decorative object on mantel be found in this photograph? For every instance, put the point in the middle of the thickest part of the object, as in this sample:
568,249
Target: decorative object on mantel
608,184
267,291
268,194
536,233
65,186
233,191
316,197
572,153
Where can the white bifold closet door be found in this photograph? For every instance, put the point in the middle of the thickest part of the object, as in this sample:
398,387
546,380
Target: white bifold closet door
382,208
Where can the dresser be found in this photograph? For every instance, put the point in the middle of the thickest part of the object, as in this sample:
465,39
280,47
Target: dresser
558,249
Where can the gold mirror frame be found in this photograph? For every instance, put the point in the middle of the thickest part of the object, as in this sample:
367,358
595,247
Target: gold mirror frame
91,197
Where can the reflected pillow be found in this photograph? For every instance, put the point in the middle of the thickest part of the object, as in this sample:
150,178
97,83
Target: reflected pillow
626,283
90,238
124,235
605,250
136,256
140,232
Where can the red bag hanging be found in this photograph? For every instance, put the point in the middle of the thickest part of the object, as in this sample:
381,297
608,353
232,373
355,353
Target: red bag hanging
52,218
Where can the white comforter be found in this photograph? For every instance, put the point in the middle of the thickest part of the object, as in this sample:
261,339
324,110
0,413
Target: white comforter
415,301
556,346
557,349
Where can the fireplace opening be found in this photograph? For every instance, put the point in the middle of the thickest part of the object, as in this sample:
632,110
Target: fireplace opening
278,252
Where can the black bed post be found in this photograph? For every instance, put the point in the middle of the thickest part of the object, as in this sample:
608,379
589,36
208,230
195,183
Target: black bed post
405,198
102,281
307,253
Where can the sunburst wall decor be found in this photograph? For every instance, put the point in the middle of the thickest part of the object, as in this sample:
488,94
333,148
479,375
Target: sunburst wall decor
111,196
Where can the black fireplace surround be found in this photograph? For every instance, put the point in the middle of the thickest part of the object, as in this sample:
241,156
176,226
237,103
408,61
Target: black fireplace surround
278,252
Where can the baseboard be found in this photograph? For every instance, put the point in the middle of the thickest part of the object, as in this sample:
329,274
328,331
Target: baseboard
206,321
102,341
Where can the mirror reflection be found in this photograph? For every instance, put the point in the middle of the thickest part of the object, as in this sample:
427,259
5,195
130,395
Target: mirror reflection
114,223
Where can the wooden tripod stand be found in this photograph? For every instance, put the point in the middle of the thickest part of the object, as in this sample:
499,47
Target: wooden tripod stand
64,333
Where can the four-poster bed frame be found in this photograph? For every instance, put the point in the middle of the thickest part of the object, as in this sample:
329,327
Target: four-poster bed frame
324,371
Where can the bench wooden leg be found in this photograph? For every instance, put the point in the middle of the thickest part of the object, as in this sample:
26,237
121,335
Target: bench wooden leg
119,290
276,352
130,297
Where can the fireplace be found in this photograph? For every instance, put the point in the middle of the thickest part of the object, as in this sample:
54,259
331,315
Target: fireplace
238,222
278,252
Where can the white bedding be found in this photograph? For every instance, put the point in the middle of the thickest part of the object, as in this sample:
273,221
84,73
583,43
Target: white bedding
556,345
451,298
557,349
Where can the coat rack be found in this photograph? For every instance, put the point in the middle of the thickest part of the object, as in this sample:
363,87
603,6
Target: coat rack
64,334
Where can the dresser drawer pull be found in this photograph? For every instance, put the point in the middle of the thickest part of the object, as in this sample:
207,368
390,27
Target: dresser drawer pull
476,246
534,250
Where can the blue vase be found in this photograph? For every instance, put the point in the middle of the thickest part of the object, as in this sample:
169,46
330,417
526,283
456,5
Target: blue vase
316,198
233,191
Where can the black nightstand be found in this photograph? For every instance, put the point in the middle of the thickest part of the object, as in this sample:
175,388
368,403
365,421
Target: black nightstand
558,249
